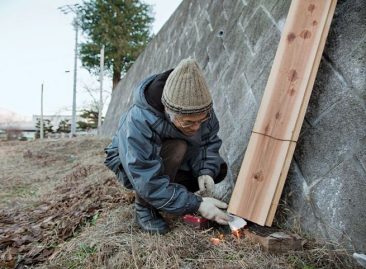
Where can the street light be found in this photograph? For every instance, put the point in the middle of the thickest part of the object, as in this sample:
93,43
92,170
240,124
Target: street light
66,9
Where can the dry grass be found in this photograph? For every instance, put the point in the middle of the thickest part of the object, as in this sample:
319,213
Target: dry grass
106,236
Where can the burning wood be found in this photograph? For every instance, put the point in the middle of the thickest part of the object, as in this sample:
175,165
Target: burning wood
217,240
238,233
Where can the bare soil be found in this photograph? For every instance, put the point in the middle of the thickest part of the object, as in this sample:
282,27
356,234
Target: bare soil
60,207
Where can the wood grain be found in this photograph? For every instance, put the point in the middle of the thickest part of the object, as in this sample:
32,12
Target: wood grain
292,68
301,116
259,173
277,127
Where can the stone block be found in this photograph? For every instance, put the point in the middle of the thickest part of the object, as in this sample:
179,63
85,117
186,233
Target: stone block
304,128
328,89
236,45
191,37
238,68
219,69
233,11
206,35
341,199
232,8
226,125
259,83
224,189
263,61
239,96
258,28
216,16
235,164
361,154
203,5
218,96
354,69
222,151
193,10
293,195
228,75
236,146
331,140
296,210
278,9
215,48
247,12
347,30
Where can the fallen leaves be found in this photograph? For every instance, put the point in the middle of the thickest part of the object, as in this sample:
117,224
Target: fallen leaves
29,236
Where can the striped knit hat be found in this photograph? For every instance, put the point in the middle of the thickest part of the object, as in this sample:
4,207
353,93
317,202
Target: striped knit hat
186,91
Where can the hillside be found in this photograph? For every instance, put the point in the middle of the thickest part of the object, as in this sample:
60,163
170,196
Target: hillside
61,208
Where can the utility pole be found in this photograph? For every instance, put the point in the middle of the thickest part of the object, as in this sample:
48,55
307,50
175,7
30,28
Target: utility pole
41,125
100,112
73,9
73,119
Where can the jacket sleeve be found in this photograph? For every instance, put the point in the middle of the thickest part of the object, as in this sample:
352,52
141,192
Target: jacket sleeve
144,168
209,159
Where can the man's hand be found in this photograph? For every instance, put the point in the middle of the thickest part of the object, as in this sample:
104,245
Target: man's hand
206,185
209,209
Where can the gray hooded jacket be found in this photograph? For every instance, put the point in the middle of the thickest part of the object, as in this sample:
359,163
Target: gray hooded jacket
134,154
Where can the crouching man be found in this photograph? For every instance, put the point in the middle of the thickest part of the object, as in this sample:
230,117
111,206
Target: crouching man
166,148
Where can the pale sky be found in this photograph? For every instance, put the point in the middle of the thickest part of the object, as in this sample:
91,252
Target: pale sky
37,46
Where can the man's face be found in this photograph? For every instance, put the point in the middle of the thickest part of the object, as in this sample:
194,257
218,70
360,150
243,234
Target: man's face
190,124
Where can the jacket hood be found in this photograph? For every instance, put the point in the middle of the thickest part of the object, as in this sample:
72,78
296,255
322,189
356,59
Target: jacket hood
139,98
149,91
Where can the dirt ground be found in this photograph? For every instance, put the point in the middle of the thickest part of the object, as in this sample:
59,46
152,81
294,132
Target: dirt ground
60,207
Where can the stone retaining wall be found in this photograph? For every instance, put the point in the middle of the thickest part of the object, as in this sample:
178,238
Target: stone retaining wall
235,43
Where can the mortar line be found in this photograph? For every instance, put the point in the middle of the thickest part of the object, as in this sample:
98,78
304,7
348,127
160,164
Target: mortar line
270,17
338,73
355,48
359,163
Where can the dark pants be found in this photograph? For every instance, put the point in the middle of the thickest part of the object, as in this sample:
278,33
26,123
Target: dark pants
173,152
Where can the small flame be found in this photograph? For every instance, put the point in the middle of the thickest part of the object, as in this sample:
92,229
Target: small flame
236,233
215,241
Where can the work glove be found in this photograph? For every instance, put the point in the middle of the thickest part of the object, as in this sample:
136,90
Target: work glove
209,209
206,185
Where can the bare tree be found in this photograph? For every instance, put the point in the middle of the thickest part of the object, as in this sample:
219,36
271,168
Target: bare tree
94,94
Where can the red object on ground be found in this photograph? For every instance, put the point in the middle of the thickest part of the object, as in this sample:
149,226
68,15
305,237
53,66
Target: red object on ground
195,221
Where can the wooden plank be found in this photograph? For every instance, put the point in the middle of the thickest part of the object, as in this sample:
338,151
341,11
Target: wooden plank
302,113
280,184
282,111
314,71
291,69
261,170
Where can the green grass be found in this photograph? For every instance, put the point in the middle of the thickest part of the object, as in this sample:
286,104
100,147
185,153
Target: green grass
80,256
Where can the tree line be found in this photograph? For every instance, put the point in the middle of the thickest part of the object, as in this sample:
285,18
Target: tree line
89,121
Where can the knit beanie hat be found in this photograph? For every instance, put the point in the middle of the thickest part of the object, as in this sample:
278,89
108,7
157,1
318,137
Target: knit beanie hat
186,90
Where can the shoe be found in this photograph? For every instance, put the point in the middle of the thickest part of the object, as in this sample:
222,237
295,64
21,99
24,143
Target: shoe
149,219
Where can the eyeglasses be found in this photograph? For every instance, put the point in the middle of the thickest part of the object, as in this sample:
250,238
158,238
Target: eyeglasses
189,123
